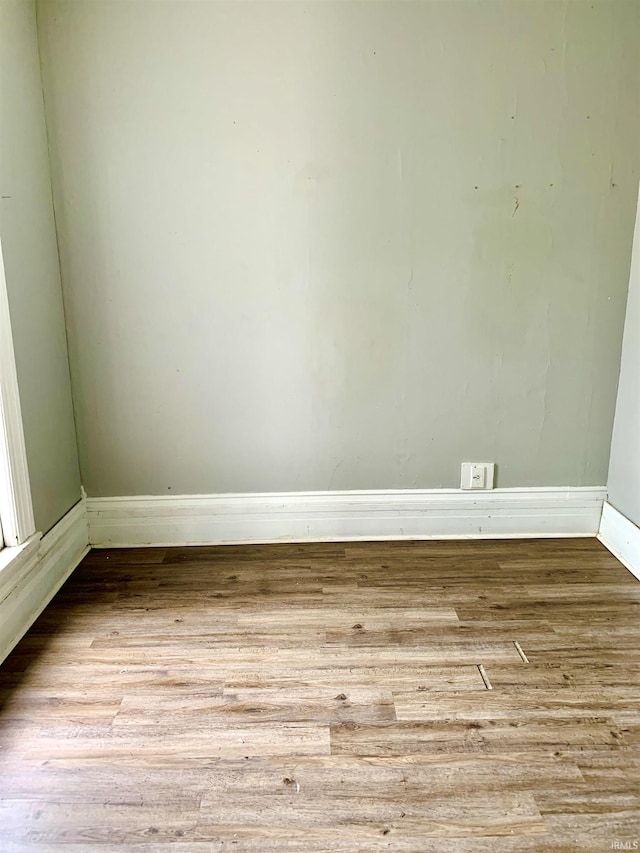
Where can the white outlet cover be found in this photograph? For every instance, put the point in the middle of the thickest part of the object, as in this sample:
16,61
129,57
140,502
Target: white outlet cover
477,475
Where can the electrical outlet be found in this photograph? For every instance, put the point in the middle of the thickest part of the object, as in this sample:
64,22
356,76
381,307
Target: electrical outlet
477,475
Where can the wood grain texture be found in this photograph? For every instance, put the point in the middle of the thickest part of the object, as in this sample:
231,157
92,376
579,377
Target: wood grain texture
328,698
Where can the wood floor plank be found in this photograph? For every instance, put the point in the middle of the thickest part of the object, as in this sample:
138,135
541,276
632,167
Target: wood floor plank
319,705
519,707
297,810
168,744
476,736
119,824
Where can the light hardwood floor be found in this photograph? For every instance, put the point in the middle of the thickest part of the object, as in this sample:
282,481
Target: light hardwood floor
328,698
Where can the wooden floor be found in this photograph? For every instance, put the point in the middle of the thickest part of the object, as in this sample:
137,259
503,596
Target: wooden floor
467,696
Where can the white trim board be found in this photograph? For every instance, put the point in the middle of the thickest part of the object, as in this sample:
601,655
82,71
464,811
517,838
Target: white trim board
621,537
32,574
340,516
16,509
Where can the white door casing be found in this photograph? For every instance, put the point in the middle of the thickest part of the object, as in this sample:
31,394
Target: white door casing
16,508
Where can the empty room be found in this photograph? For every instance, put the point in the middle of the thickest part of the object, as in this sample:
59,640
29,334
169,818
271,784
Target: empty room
319,426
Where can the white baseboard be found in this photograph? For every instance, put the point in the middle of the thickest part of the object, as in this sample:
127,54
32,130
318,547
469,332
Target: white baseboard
621,537
31,574
339,516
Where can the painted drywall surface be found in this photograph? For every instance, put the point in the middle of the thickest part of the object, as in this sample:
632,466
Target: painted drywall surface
624,466
342,245
28,237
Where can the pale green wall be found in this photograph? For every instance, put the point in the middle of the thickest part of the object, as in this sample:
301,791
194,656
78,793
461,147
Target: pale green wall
343,245
624,467
28,238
